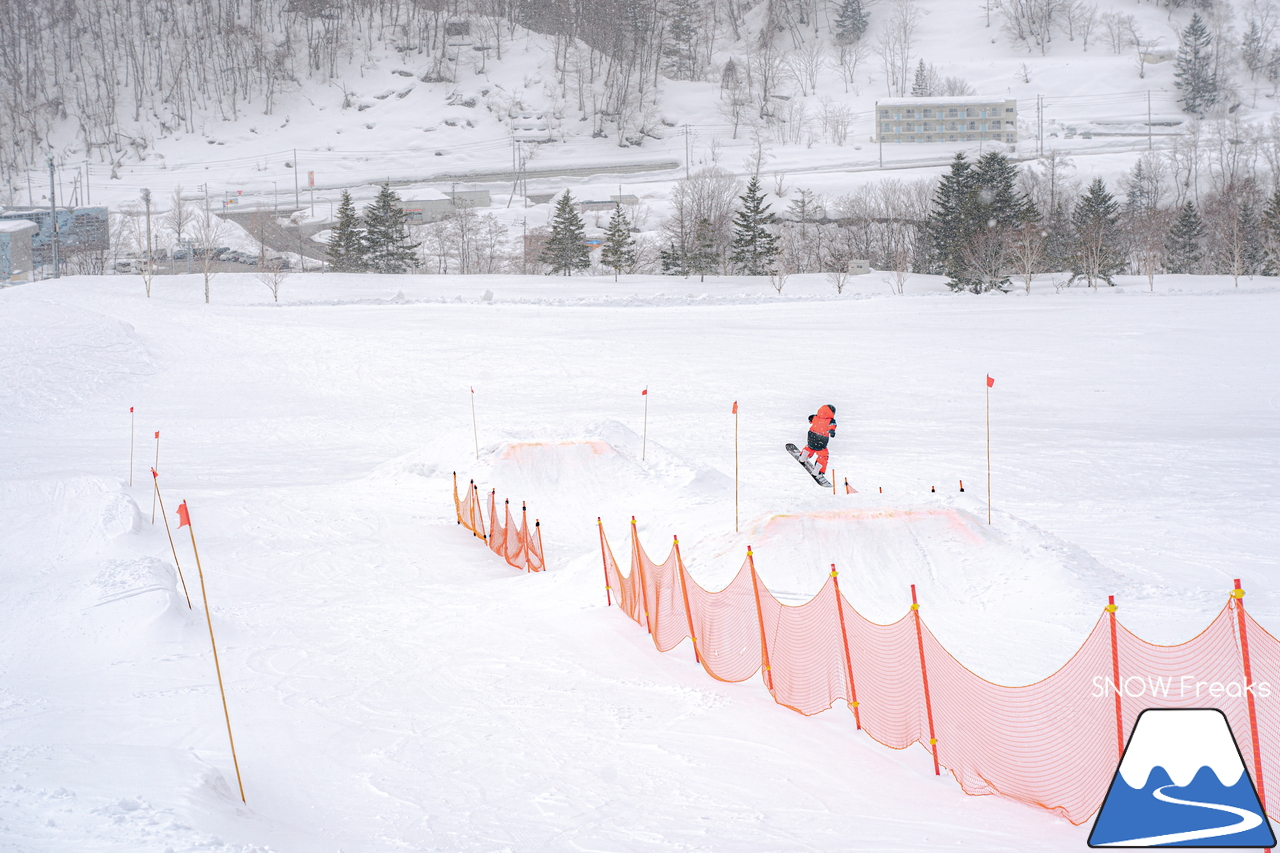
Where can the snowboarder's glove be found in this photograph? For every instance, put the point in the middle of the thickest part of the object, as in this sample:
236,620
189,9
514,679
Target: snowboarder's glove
831,433
811,418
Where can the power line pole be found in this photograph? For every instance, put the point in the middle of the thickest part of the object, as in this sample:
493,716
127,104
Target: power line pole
146,199
53,219
296,202
1149,142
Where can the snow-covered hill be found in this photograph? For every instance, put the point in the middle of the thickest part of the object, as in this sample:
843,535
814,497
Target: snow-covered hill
395,686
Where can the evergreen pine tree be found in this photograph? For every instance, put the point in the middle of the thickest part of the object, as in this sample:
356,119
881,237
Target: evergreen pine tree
566,249
702,259
1098,251
1254,249
619,250
755,248
950,223
1254,49
346,241
386,234
851,22
1182,249
1193,74
673,260
920,88
1000,202
678,48
1270,234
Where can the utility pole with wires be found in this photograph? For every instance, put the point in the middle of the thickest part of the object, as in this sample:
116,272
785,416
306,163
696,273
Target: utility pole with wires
53,220
296,202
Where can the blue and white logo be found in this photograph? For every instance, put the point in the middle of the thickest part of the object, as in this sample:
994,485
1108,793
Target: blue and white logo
1182,783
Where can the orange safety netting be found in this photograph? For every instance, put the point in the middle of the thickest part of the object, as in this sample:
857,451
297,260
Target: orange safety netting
521,547
1054,743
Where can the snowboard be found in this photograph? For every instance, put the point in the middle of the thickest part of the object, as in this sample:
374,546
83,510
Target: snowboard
820,479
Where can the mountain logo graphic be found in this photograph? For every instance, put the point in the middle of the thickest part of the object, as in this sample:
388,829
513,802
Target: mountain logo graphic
1182,783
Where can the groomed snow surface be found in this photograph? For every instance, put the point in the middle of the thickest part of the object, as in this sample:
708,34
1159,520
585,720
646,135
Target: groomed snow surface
394,686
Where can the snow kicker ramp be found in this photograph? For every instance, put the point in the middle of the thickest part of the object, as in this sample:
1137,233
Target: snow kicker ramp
1053,743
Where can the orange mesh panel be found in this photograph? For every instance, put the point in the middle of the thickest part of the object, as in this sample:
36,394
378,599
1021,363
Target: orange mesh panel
804,651
886,669
1051,744
727,627
521,548
469,511
1264,655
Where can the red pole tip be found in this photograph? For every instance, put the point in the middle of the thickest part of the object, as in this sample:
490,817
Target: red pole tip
1111,599
913,593
1237,583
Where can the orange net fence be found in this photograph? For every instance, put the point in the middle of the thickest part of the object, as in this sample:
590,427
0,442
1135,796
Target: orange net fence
520,546
1053,744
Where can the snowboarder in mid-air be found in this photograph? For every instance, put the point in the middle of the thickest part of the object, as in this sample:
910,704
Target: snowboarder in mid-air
822,428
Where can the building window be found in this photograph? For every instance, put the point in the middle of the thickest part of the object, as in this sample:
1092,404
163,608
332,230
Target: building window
1008,109
886,128
973,125
951,138
884,114
1012,138
928,113
928,139
897,116
897,129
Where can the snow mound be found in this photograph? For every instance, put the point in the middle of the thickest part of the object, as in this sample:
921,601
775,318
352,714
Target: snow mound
120,516
982,588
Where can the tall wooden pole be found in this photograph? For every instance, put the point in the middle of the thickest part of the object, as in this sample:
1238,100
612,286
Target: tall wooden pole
990,382
213,643
154,469
735,466
155,479
475,432
644,436
131,446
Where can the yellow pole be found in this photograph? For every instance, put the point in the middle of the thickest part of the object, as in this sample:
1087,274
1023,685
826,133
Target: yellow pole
217,666
156,480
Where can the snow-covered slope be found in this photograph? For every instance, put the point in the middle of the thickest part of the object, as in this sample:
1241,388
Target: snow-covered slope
395,686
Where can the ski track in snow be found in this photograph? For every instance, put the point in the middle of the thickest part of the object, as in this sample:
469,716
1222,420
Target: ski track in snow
396,686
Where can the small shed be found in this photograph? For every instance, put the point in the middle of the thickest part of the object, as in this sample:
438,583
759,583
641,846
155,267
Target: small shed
16,260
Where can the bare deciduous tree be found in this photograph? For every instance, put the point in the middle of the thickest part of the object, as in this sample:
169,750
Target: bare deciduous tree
208,232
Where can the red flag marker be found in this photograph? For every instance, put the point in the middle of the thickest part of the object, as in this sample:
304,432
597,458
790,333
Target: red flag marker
644,393
644,435
735,407
131,410
157,433
184,517
991,383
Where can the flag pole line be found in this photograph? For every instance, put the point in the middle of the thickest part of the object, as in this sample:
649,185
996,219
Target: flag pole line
155,479
475,431
764,643
131,447
604,563
156,468
735,466
213,643
644,435
988,450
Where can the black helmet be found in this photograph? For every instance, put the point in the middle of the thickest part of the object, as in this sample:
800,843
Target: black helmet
832,408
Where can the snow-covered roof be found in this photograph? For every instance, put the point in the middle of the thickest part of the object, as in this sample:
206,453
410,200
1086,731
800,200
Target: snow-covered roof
962,100
17,226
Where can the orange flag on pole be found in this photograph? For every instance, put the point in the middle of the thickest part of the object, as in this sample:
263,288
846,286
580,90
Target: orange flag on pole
991,383
184,517
735,407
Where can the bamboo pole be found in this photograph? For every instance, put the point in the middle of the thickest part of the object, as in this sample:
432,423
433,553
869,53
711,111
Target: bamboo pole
735,466
153,474
644,435
213,643
475,431
131,447
990,382
156,482
764,641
